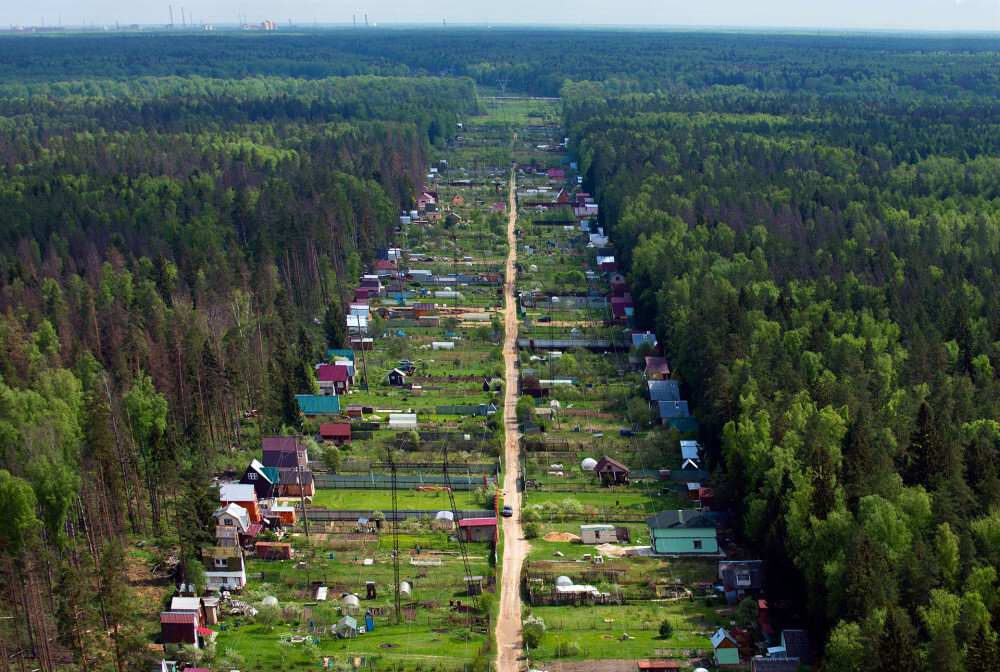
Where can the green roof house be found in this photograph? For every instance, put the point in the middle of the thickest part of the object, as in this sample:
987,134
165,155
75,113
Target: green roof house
318,404
682,532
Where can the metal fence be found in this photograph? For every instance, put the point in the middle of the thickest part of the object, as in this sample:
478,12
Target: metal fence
323,514
383,481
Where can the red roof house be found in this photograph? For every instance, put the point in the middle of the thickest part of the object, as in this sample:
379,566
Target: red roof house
478,529
179,627
384,265
611,471
621,306
339,433
333,373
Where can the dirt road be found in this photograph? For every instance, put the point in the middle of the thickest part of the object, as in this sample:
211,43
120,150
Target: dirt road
515,547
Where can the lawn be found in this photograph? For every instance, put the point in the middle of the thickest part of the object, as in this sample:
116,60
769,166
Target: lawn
598,629
381,500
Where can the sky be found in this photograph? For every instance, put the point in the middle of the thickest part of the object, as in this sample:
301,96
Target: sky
937,15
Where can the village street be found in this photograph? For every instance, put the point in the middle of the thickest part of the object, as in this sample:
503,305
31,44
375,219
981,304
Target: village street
515,547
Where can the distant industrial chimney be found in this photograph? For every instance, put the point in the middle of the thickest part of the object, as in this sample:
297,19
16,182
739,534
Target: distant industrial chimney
171,16
183,18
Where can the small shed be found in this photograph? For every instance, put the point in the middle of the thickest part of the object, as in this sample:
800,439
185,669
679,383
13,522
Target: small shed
179,627
474,585
598,534
351,605
727,651
347,626
337,433
611,471
397,378
478,529
272,550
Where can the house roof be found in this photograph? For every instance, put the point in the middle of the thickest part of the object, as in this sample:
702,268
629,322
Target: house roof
236,492
796,644
185,604
332,372
721,636
384,265
278,443
687,518
657,365
402,373
270,474
187,617
477,522
236,511
689,450
673,409
663,390
335,429
606,461
774,664
319,404
729,569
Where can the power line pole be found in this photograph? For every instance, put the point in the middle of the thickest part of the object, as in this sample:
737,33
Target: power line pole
302,496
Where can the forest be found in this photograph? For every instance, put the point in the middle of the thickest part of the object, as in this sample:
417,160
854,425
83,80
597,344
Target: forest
822,270
170,250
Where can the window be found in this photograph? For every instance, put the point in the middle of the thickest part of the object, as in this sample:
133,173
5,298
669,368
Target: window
697,544
220,562
252,476
227,521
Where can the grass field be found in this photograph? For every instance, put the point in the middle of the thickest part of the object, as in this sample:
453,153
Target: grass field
381,500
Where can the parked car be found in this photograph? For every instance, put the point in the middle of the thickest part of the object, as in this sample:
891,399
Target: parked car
627,432
507,511
544,318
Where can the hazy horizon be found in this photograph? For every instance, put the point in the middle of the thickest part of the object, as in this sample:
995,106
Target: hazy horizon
893,15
